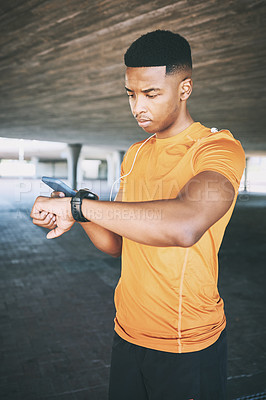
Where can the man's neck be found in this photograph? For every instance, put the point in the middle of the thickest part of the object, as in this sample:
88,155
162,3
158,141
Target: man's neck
180,125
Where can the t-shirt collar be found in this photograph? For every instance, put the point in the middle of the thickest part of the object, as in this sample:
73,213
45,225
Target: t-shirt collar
189,134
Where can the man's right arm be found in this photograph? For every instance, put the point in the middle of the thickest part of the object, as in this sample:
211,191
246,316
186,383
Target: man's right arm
105,240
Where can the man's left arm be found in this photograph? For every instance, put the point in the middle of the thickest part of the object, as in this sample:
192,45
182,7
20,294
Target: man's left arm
175,222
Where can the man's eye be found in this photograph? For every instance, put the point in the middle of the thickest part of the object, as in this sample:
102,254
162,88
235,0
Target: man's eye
151,96
130,95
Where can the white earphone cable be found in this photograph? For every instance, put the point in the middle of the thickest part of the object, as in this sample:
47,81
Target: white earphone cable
111,192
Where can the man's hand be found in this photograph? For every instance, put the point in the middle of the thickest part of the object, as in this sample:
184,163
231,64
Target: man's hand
47,220
53,213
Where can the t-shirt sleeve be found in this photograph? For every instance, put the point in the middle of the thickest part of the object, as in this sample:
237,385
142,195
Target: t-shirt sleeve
220,154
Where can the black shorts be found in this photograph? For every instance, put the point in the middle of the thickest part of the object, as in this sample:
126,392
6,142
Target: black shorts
138,373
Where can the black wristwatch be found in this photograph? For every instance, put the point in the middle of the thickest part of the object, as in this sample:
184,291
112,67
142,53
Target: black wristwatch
76,202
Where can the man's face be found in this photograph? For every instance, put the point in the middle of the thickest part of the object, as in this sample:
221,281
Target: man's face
154,97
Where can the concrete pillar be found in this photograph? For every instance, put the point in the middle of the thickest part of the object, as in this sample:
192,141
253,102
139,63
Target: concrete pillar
21,150
110,169
35,162
119,159
114,161
72,163
246,175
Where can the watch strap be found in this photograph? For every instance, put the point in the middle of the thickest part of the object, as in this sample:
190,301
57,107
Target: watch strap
76,203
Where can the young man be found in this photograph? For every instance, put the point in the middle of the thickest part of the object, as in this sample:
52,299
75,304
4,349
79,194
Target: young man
175,201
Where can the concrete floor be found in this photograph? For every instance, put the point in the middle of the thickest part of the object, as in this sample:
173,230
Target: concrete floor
56,309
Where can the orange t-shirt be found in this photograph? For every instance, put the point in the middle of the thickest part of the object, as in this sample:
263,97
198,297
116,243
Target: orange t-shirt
167,297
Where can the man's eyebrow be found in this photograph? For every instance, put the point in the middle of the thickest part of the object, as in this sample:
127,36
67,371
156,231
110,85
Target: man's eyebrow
151,90
145,91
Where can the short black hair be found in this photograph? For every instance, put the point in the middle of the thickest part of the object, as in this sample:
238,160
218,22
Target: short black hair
159,48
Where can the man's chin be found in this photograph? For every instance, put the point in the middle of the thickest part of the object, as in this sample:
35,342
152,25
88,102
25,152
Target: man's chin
149,129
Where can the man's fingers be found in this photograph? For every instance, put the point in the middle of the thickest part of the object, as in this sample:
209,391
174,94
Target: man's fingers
42,215
54,214
58,194
44,219
37,209
37,215
50,226
52,223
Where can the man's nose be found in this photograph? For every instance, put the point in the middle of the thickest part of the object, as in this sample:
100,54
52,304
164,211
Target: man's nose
138,107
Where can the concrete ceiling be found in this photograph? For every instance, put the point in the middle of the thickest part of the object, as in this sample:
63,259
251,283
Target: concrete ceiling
62,73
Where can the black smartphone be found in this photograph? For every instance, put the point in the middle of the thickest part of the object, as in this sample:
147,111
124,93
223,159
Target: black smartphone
59,186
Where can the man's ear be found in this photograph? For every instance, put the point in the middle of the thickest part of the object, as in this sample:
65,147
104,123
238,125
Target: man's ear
186,89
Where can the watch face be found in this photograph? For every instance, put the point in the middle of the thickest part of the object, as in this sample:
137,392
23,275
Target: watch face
87,194
93,196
